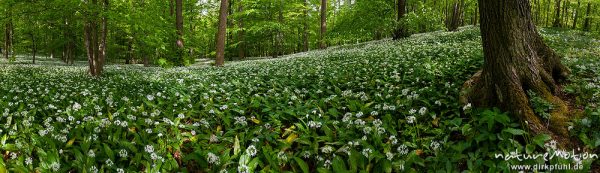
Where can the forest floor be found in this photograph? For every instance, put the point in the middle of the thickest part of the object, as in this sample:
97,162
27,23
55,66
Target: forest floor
381,106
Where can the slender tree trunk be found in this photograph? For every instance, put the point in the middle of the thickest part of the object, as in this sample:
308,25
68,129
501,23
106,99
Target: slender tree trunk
576,15
323,45
565,13
241,45
33,46
94,38
171,12
586,23
179,27
279,39
517,61
305,31
557,21
220,60
8,36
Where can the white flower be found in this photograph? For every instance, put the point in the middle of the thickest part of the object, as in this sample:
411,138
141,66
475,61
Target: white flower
150,97
359,114
402,149
435,145
389,155
123,153
327,149
109,162
412,111
213,159
314,124
410,119
76,106
181,116
149,149
93,169
251,150
120,170
91,153
366,152
55,166
153,156
243,169
423,110
13,155
282,156
467,107
28,161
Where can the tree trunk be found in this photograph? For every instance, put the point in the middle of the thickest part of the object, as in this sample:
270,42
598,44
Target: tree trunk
33,47
279,37
95,39
401,30
517,61
586,23
454,21
220,60
241,45
565,13
171,7
8,37
305,32
557,21
323,45
576,15
179,26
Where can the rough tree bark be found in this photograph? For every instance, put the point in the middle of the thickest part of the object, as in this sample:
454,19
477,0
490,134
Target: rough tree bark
516,61
220,60
323,45
556,22
401,31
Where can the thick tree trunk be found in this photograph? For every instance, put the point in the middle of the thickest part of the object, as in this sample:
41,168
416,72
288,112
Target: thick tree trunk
557,21
220,60
516,61
401,31
323,45
586,23
103,37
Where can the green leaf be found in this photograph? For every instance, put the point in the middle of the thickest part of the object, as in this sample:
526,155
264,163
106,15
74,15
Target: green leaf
338,165
514,131
302,164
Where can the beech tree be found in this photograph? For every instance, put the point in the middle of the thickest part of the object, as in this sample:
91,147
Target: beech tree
95,36
323,24
220,60
179,26
401,30
516,62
